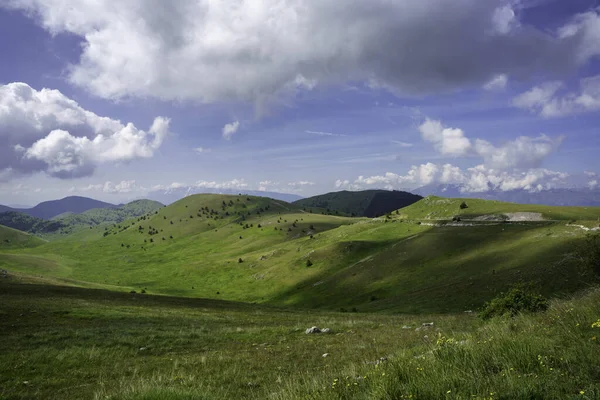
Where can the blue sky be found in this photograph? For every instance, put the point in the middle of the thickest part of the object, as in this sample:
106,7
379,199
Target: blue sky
289,97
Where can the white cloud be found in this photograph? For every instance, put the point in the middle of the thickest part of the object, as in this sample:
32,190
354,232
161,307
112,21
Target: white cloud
536,98
593,184
300,184
230,129
497,83
504,20
46,131
544,100
245,49
448,141
200,150
232,184
522,152
121,187
475,179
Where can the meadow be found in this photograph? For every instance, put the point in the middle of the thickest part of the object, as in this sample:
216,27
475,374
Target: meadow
210,297
72,343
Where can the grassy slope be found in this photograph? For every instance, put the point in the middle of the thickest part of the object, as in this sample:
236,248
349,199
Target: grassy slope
72,343
433,207
367,264
14,239
105,216
362,203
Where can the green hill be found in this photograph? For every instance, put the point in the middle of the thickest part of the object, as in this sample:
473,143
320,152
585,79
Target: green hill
103,216
15,239
439,208
68,222
366,203
29,224
255,249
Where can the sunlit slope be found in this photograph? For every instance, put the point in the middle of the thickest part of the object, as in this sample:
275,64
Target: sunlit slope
433,207
14,239
256,249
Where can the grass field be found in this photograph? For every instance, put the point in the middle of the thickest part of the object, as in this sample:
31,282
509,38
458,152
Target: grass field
223,288
433,207
74,343
264,251
14,239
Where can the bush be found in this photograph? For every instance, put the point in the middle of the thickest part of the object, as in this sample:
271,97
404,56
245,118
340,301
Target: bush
513,302
589,253
309,263
463,205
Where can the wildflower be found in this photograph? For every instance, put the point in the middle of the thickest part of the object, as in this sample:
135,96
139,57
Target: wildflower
596,324
581,392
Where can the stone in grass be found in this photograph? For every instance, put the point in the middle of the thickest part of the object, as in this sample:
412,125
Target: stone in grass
316,329
325,355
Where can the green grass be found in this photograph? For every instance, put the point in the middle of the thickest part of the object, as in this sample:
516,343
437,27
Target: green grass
14,239
73,343
438,208
391,265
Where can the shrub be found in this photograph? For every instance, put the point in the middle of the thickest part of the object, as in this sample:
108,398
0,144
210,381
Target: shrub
463,205
240,260
589,254
309,263
518,299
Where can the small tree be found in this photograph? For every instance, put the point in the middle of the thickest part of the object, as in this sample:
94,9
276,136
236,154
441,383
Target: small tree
463,205
309,263
518,299
240,260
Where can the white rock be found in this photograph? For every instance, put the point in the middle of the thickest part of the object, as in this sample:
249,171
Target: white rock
325,355
313,329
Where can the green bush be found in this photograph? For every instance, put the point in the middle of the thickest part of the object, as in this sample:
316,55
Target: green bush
513,302
589,253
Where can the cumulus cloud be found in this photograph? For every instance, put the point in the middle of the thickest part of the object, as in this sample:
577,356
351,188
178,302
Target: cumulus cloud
251,50
232,184
448,141
298,184
522,152
475,179
121,187
504,20
46,131
545,100
230,129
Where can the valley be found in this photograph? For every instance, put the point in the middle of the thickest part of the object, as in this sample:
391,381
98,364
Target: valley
170,297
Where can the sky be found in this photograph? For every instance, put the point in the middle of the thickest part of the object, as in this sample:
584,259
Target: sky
116,101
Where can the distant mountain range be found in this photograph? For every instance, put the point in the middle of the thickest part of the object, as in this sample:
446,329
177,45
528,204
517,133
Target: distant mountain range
169,196
365,203
552,197
69,221
50,209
